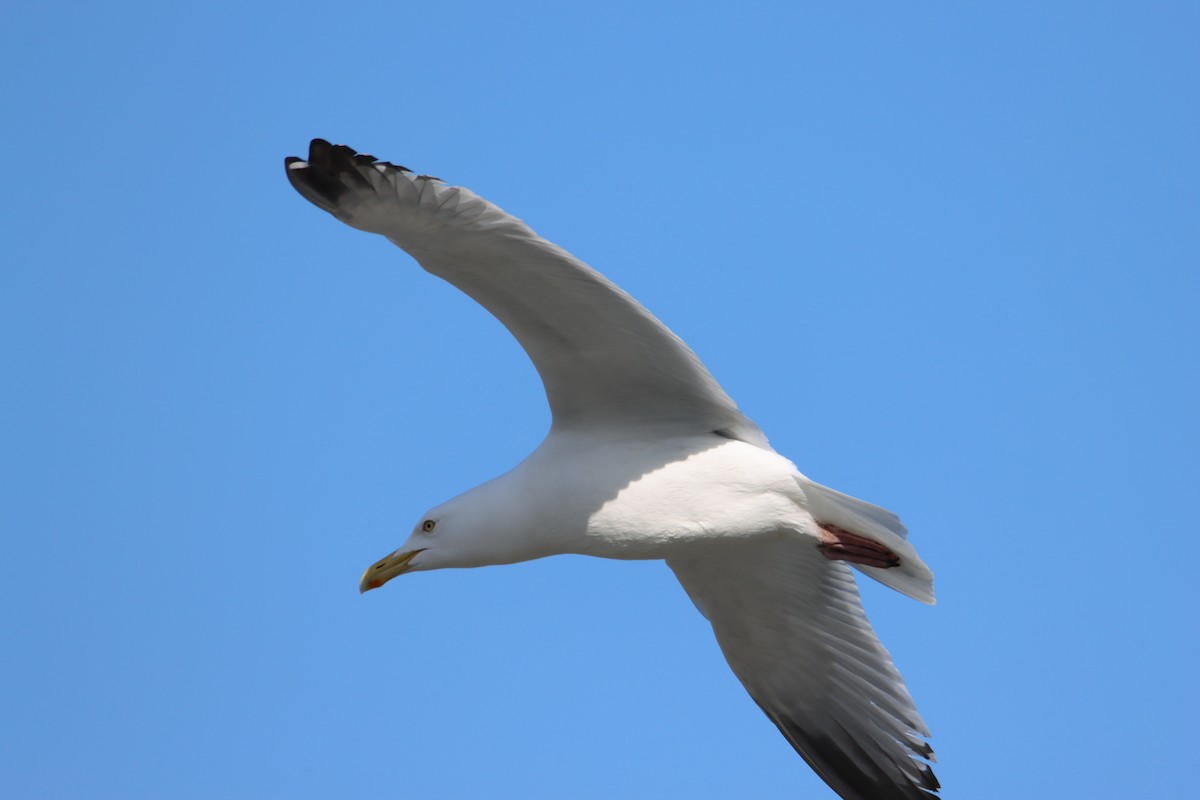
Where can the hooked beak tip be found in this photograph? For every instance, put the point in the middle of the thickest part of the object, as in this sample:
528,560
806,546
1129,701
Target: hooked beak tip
385,569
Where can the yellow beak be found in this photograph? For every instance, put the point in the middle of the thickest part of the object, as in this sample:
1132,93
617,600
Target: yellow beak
385,569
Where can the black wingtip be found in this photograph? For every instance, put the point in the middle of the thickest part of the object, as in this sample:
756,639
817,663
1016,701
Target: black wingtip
319,152
315,181
331,170
858,777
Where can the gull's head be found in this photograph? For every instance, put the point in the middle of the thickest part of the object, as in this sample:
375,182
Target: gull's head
482,527
425,548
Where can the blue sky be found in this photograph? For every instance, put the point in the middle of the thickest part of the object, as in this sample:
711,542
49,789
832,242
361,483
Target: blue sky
947,258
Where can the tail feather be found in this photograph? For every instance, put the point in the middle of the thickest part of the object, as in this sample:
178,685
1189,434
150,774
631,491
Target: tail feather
829,506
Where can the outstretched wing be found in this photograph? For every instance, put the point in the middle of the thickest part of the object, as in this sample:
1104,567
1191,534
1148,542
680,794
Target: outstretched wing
791,626
604,359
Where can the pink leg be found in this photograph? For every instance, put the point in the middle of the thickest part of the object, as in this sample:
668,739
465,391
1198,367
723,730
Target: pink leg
839,544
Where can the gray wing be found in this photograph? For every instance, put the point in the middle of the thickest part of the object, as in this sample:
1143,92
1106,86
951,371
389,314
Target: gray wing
604,359
792,628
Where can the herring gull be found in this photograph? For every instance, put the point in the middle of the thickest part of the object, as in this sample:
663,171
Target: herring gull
648,458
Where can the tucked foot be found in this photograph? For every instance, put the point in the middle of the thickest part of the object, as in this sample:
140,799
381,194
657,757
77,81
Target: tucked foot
839,544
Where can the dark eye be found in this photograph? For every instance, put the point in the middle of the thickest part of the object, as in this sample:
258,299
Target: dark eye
428,526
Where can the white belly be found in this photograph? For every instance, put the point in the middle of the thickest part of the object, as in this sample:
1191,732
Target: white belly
698,491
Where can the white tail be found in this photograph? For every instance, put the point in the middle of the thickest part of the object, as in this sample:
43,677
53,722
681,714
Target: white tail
832,507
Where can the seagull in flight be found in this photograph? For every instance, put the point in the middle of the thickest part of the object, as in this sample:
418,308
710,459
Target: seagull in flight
648,458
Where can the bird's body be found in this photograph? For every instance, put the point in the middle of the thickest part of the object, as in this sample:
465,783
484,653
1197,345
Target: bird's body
631,497
648,458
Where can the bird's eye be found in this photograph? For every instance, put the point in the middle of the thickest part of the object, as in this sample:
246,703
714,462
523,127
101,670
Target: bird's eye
428,526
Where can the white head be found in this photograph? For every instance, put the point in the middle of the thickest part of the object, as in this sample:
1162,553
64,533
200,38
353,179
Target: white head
487,525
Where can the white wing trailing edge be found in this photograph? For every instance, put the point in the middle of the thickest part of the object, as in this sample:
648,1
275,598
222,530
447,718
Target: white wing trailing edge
792,628
603,358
